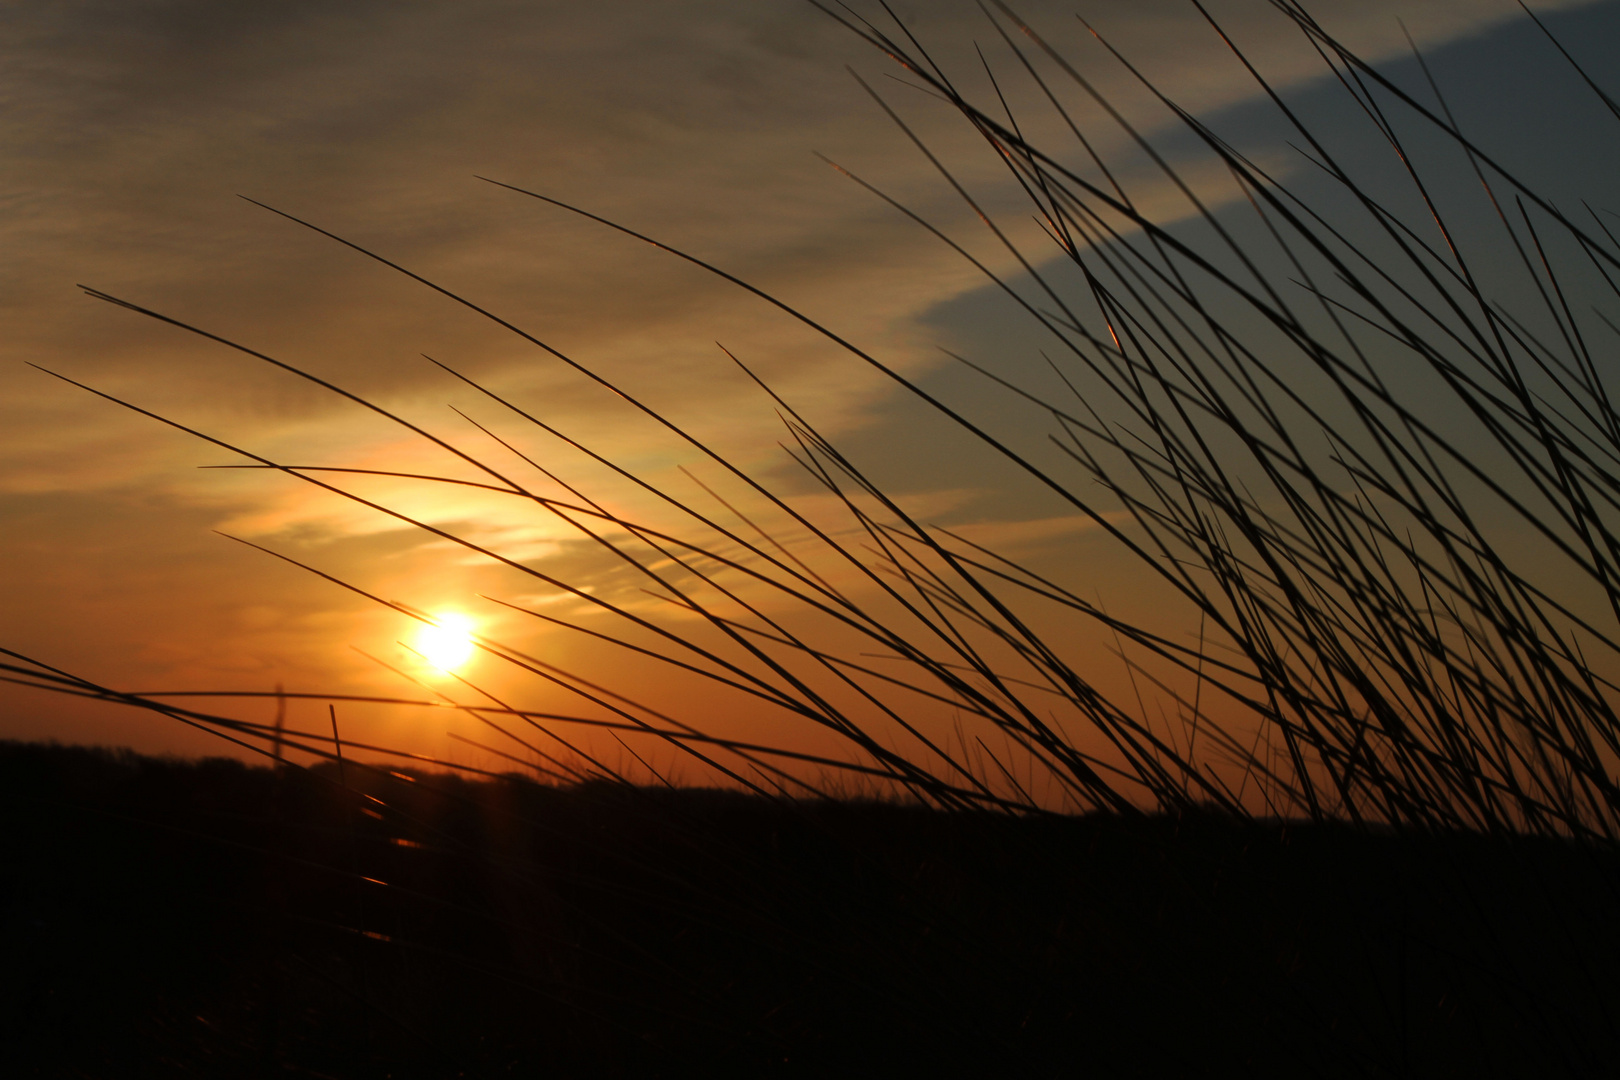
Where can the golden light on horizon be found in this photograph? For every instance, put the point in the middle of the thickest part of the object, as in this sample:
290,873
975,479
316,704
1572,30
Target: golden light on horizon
446,643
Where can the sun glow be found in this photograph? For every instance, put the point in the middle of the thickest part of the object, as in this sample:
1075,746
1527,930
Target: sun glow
446,643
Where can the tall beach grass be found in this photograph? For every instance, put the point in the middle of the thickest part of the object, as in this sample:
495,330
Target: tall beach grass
1375,476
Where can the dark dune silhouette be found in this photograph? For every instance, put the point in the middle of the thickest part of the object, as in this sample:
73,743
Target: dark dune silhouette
169,918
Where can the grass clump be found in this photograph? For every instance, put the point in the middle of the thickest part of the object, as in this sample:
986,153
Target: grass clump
1376,477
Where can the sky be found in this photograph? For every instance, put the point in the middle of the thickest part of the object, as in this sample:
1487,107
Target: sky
128,130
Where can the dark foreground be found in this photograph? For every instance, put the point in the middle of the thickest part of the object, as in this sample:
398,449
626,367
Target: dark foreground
162,918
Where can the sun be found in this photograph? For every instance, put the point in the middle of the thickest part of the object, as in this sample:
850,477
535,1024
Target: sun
446,643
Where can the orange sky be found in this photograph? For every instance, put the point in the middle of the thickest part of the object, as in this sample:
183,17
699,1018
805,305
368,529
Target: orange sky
130,127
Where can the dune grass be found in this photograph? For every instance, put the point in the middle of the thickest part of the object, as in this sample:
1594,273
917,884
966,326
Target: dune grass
1366,444
1383,495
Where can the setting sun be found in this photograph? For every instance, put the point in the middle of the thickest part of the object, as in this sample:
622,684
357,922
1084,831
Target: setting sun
446,643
